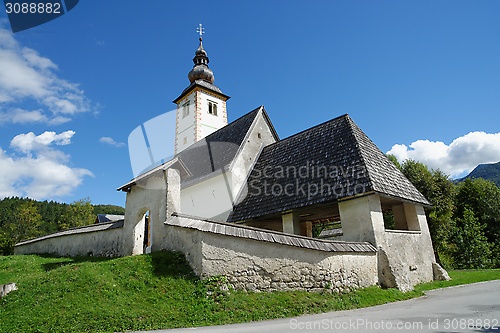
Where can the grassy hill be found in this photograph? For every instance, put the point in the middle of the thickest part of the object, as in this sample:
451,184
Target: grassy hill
156,291
486,171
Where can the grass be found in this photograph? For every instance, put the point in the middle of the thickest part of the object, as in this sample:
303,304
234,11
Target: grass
158,291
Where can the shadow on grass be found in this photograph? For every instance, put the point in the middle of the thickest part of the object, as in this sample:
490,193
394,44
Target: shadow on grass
167,263
164,263
69,261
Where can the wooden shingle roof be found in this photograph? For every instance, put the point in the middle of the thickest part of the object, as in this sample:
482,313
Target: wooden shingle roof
231,229
331,161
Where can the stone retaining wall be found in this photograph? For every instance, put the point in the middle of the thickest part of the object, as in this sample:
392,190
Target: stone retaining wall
255,265
103,239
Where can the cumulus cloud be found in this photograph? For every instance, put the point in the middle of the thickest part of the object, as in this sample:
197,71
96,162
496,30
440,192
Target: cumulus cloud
110,141
29,141
461,156
26,76
38,170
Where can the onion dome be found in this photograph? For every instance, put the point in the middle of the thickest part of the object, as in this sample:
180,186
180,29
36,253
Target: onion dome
200,69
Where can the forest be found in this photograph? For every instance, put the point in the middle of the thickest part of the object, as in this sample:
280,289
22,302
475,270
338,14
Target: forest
24,218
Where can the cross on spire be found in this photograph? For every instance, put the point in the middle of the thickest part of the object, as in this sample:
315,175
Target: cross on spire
200,30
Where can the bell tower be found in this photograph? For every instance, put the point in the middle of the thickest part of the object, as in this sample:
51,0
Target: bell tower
201,107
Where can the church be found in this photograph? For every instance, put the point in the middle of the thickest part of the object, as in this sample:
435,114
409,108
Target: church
321,209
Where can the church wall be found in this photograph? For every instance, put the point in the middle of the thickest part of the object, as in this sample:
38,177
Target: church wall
214,197
258,136
149,195
77,242
185,126
255,265
406,258
362,219
209,123
186,241
210,199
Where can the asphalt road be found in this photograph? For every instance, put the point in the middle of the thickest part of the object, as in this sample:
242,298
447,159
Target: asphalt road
469,308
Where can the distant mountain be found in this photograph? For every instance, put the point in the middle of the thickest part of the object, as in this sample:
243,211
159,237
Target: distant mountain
485,171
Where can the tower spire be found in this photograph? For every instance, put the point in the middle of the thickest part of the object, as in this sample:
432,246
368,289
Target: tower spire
200,69
201,107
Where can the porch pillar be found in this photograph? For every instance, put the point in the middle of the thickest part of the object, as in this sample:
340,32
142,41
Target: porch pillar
291,223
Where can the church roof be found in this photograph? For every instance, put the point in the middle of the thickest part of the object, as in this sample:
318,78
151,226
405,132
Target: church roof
212,153
203,84
217,150
329,162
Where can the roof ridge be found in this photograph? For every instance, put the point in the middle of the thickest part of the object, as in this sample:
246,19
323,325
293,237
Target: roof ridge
375,183
268,119
353,126
240,117
308,129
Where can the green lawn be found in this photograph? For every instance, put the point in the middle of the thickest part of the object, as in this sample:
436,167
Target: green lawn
157,291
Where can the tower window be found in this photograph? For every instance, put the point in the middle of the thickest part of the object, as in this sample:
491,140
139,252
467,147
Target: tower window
212,108
185,141
185,109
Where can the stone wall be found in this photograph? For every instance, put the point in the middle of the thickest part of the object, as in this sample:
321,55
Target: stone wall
103,239
405,260
405,257
260,265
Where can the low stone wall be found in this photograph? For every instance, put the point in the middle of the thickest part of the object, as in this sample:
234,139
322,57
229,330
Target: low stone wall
103,239
267,263
406,260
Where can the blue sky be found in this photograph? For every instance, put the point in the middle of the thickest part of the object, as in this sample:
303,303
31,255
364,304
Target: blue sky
421,78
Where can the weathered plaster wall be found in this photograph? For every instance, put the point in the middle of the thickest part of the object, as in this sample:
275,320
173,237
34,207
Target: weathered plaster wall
254,265
215,197
210,199
209,123
409,255
259,136
185,126
405,258
265,266
149,195
103,239
362,219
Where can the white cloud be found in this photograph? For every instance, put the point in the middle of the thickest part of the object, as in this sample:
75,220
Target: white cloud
26,76
29,141
111,141
21,116
40,172
459,157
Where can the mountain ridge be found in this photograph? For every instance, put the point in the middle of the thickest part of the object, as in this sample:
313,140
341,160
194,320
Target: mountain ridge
488,171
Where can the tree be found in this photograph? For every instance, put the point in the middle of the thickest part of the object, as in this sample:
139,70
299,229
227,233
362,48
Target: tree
483,198
394,160
26,222
471,248
77,214
6,244
109,209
